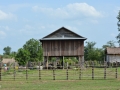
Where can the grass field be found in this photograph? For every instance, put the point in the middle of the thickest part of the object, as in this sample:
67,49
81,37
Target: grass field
61,85
73,82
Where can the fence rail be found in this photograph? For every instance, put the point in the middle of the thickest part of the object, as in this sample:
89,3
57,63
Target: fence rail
75,72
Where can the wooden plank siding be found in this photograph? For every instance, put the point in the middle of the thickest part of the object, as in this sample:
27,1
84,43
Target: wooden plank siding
63,48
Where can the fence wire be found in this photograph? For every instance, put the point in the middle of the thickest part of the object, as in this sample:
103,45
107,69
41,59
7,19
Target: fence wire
90,70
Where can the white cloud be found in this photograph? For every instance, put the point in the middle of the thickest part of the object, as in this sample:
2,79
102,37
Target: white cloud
117,9
2,34
35,8
83,8
94,21
70,11
4,16
71,28
27,29
5,28
15,7
113,35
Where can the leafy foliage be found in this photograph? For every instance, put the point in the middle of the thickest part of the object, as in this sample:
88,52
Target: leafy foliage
12,54
92,53
31,51
22,56
109,44
8,53
7,50
118,36
34,47
70,60
1,57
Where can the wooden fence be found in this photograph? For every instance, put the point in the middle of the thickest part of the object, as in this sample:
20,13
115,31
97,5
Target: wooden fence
91,70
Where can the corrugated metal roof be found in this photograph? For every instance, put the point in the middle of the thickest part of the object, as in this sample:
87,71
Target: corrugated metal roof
113,50
62,38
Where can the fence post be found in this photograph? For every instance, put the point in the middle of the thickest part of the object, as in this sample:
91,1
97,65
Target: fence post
104,70
39,72
26,71
86,64
0,70
67,71
53,73
116,69
92,70
14,71
79,72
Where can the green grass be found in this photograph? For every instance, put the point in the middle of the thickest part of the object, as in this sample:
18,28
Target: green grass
73,82
61,85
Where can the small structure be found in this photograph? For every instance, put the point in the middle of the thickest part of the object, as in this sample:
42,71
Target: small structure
63,43
112,54
8,61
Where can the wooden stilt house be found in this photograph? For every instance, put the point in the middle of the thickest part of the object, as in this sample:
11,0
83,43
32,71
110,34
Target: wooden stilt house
63,43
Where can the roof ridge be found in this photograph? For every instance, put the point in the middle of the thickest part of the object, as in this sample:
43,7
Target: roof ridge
68,36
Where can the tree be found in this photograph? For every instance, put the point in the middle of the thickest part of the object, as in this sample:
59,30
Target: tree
31,51
13,54
1,58
40,53
92,53
22,56
109,44
34,47
7,50
88,50
118,36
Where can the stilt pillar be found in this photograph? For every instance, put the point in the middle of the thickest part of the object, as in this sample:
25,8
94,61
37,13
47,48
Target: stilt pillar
63,62
81,61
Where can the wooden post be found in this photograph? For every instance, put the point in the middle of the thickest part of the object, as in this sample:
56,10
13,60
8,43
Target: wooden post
79,72
39,72
47,59
80,59
26,72
104,70
47,62
53,73
116,69
86,64
67,71
43,61
92,70
63,62
100,63
14,71
0,70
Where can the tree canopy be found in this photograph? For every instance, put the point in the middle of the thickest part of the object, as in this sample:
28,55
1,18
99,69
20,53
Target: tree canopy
118,36
109,44
7,50
92,53
22,56
31,51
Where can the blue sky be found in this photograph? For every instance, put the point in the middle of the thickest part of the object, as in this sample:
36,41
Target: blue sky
21,20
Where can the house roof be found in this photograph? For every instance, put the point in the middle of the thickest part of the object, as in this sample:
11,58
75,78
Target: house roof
8,60
63,34
113,50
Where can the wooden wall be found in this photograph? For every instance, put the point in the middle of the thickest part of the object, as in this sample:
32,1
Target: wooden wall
63,48
113,58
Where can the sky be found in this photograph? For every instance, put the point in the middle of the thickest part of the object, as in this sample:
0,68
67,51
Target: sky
22,20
